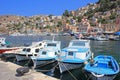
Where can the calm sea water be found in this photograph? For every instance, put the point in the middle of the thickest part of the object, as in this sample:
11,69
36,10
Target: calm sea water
97,47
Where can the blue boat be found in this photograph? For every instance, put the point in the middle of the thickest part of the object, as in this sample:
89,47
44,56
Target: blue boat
47,55
74,55
102,68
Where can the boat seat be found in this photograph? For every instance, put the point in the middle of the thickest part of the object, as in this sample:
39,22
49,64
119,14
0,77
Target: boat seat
102,64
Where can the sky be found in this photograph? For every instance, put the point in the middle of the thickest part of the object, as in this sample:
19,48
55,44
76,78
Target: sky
40,7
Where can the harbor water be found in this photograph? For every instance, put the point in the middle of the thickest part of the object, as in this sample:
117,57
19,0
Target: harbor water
97,47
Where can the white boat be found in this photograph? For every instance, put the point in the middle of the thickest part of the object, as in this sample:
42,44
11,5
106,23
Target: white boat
4,46
30,51
17,34
74,55
114,38
102,38
47,55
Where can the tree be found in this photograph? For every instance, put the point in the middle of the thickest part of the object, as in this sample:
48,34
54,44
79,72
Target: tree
113,16
48,26
79,18
66,13
59,24
50,16
102,20
113,5
74,17
118,2
106,5
67,21
38,18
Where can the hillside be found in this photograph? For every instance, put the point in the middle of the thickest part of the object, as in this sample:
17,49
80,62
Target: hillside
104,14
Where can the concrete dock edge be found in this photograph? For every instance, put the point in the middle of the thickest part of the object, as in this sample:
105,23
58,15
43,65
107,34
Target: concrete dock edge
8,72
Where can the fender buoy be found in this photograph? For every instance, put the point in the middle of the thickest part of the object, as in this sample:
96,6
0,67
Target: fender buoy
22,70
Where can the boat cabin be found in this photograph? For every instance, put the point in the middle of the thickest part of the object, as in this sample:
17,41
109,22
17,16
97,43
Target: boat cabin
51,49
33,49
53,44
48,53
79,43
78,51
29,50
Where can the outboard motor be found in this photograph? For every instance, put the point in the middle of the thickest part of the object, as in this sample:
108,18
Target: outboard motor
22,70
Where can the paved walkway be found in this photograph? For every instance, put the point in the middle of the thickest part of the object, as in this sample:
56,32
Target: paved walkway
8,72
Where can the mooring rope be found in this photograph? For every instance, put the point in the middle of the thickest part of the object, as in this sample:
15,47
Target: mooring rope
45,64
83,71
49,69
89,77
34,71
70,72
27,63
14,60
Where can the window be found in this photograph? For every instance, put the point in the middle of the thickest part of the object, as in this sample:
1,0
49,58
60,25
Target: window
70,53
44,53
40,44
86,54
28,50
78,43
36,50
24,49
55,53
51,44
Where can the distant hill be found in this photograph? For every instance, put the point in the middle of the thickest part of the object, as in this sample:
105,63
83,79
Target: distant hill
103,13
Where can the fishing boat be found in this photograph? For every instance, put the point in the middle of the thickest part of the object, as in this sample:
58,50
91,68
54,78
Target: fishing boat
91,37
29,51
102,38
79,36
73,56
102,68
4,46
47,55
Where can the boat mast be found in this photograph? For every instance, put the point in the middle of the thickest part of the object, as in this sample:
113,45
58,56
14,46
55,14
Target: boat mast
53,38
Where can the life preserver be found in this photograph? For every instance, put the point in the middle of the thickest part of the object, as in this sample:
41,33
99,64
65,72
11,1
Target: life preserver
97,75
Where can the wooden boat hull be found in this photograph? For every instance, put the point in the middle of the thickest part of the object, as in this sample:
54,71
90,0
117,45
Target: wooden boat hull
45,65
103,68
105,77
42,63
23,57
6,49
68,66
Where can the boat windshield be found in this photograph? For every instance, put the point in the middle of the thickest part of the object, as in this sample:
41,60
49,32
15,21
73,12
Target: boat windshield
78,43
24,49
51,44
70,53
44,53
28,50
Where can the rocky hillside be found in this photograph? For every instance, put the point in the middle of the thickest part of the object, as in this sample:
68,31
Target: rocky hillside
103,13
